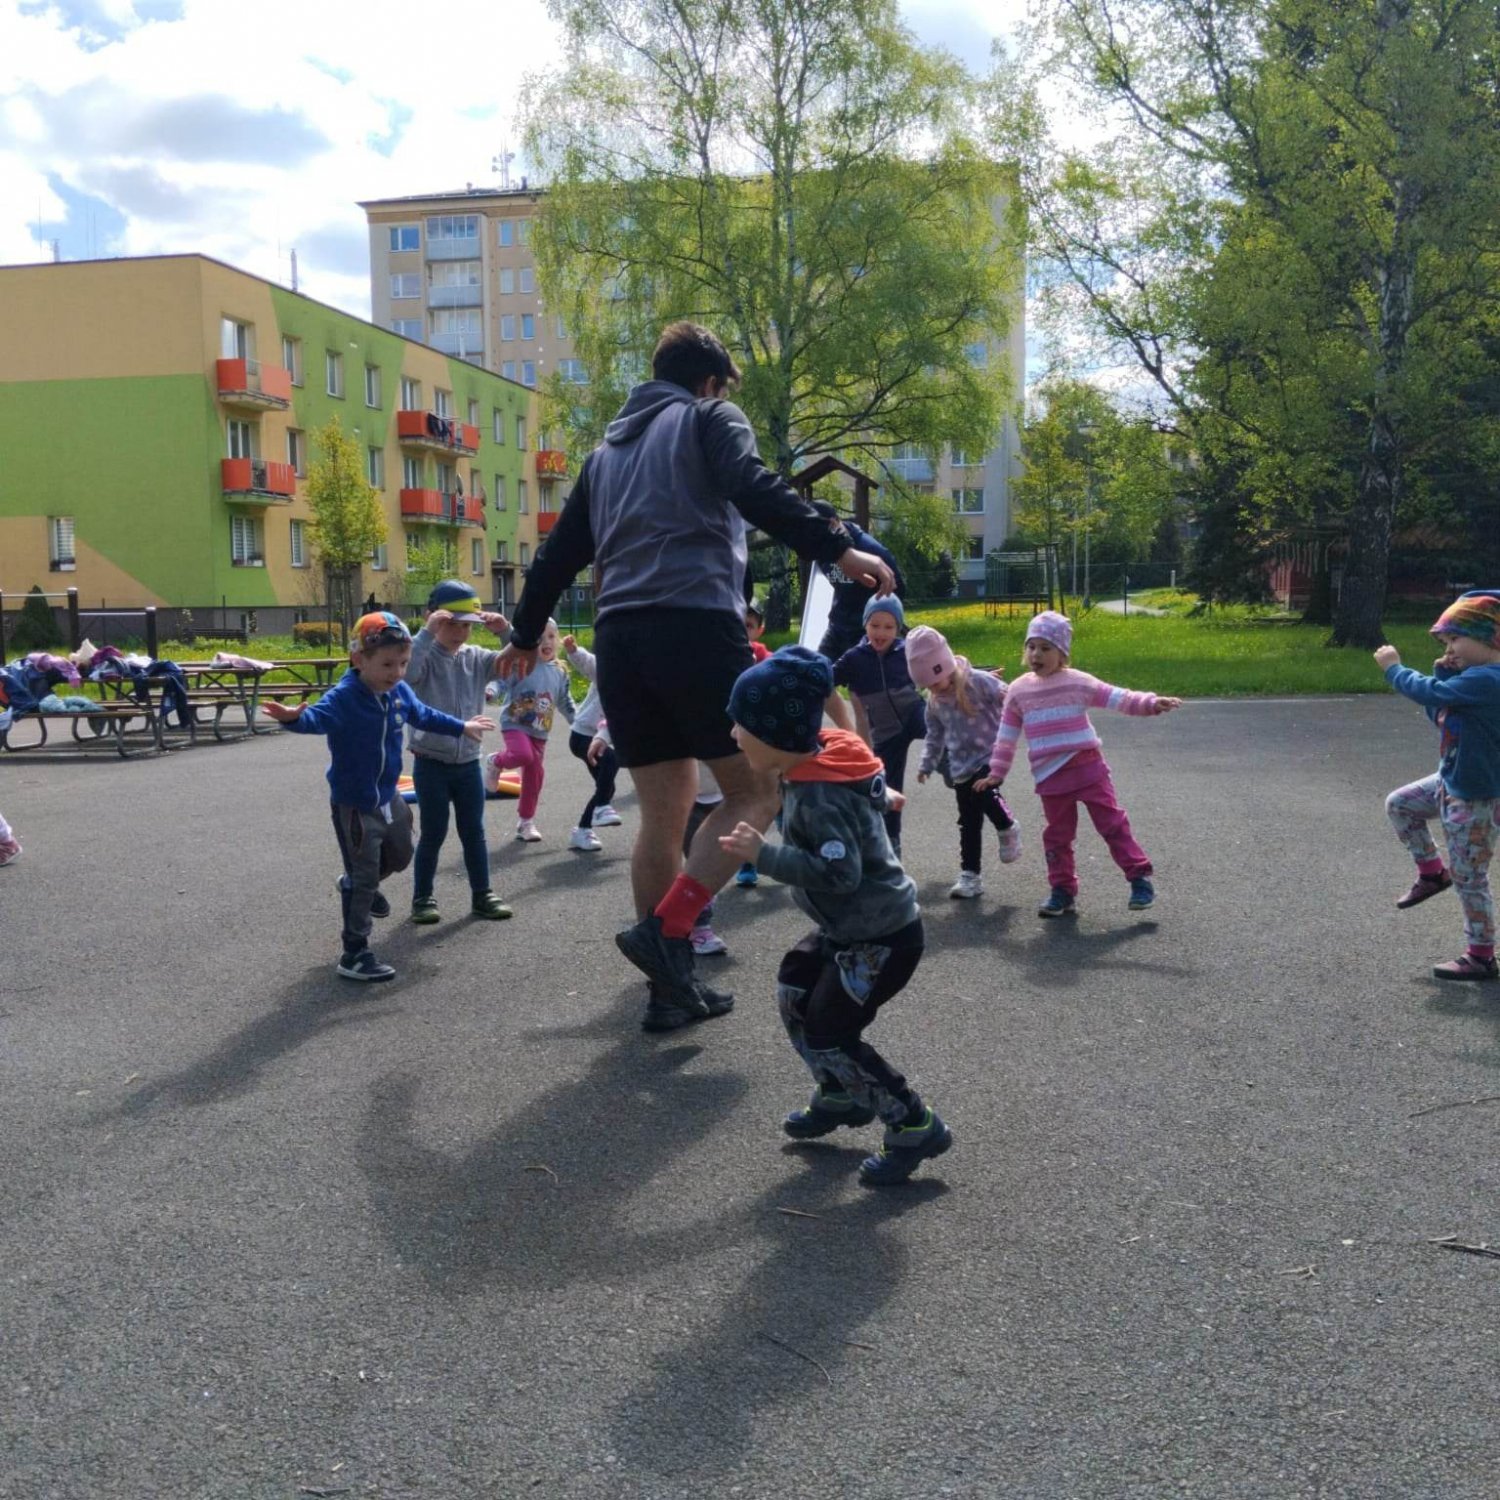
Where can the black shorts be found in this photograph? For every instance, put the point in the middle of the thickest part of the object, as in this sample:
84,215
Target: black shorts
665,676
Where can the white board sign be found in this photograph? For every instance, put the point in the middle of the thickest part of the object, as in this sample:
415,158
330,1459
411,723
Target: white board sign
815,610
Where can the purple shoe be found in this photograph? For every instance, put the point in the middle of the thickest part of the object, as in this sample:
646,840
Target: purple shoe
1424,887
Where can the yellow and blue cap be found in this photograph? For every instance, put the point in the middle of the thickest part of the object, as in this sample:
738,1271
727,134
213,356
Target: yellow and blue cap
458,599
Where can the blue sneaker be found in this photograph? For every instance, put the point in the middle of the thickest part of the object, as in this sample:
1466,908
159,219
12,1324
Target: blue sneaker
906,1148
747,875
1142,893
827,1111
364,968
1059,903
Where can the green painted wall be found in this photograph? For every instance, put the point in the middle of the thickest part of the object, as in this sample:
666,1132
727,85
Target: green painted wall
135,461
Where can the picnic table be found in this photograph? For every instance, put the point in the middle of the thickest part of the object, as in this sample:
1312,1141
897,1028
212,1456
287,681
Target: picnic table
126,727
218,688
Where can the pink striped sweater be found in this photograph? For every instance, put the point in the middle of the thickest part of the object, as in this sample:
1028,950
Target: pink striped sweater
1054,712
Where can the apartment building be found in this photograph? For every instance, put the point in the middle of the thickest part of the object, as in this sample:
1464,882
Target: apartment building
456,270
156,418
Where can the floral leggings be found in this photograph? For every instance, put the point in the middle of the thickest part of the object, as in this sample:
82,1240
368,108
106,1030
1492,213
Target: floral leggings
1472,830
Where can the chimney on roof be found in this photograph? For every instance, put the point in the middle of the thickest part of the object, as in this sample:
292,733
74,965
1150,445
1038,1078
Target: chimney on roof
523,184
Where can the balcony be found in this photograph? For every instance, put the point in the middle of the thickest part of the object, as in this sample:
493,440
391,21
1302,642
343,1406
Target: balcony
465,248
456,296
257,480
442,508
435,434
545,521
469,346
913,470
551,463
248,383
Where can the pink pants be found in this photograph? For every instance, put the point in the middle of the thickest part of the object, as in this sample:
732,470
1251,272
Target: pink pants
1097,794
525,754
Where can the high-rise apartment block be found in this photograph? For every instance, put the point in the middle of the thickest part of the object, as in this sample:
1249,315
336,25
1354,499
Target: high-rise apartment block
456,271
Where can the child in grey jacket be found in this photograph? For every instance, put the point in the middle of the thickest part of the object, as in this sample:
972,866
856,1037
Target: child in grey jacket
837,858
451,674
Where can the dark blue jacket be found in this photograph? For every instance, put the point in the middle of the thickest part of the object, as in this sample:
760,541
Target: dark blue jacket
885,690
847,616
364,737
1466,708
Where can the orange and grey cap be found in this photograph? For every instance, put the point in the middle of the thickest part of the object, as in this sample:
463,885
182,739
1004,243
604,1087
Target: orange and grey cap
379,628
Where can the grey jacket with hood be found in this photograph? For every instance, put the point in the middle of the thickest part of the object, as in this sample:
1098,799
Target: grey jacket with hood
662,505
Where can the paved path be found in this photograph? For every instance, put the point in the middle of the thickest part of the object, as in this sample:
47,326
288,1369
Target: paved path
266,1234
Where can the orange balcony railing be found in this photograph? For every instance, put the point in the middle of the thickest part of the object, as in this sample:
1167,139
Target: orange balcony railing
257,479
426,429
442,507
551,463
247,382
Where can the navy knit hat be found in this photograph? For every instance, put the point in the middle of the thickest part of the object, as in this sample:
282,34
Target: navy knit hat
887,604
780,700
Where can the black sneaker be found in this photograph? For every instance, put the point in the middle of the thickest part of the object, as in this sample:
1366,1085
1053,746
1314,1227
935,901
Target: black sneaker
667,1009
825,1114
380,906
364,967
906,1148
669,961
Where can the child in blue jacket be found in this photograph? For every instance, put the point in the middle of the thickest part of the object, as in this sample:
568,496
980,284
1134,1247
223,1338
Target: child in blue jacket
364,715
1463,699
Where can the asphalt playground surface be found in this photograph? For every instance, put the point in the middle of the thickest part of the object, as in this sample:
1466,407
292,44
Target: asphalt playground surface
264,1233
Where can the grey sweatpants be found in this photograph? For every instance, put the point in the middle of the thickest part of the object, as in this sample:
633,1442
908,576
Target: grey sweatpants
374,845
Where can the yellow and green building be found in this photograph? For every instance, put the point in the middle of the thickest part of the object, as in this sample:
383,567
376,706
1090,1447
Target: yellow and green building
156,421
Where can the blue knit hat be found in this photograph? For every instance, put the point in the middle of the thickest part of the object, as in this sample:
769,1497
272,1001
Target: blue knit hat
886,604
780,700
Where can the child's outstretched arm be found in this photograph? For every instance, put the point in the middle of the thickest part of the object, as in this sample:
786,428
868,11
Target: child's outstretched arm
1003,751
836,868
1438,692
1124,701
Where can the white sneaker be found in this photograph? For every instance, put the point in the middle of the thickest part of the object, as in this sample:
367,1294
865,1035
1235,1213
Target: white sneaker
706,942
1010,844
583,840
967,886
526,831
606,817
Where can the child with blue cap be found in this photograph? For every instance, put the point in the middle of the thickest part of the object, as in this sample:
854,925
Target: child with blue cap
837,858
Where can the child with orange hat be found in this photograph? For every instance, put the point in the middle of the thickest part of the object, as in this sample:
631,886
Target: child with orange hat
1462,698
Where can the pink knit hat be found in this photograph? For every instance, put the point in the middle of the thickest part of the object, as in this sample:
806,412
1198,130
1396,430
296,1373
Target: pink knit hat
928,657
1049,626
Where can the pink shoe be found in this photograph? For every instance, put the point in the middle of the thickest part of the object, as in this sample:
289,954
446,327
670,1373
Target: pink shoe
1424,888
10,851
1469,966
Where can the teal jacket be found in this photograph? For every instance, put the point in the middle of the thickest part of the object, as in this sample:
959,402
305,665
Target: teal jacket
1465,706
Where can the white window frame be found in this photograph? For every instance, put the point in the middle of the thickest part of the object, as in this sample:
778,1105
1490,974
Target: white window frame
507,327
398,236
499,500
62,544
961,495
528,372
297,544
296,451
241,438
528,327
508,369
408,328
411,394
442,402
499,420
411,473
525,554
505,233
523,497
473,412
406,286
372,386
521,434
412,540
291,357
476,555
375,467
246,543
380,557
507,280
333,368
526,278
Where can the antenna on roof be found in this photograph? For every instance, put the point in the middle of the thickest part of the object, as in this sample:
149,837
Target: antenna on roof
501,164
294,268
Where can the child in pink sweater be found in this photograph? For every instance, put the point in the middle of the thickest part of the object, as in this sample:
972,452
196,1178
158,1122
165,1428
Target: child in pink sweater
1051,702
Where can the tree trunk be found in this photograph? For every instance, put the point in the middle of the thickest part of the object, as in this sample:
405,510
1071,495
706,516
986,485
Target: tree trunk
1319,610
779,597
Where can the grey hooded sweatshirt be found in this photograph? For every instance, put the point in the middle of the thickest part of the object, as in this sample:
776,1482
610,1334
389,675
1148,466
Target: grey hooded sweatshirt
662,505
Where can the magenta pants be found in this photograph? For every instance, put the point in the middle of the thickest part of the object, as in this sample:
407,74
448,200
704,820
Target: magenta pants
525,754
1060,829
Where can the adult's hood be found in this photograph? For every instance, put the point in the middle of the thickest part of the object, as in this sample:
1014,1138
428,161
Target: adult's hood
642,407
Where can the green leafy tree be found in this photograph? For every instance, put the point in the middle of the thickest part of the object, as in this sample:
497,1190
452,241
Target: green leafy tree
348,522
36,626
798,174
1291,229
428,563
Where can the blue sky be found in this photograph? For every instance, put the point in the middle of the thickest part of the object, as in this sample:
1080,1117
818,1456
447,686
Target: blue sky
138,127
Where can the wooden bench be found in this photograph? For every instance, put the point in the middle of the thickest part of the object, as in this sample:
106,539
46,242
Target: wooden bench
108,728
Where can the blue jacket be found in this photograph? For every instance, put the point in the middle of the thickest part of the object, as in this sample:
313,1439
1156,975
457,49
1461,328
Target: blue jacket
847,615
1466,708
364,737
883,685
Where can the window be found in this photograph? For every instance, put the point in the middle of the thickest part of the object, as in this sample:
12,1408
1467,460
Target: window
968,502
476,556
296,451
502,552
499,491
528,372
452,227
380,557
473,412
60,543
454,273
523,232
507,327
525,553
405,237
442,402
521,433
299,544
375,468
242,439
507,280
236,339
476,484
974,549
244,543
408,328
562,328
528,326
506,229
334,365
962,460
527,279
406,284
521,498
465,323
499,426
508,369
411,394
411,473
447,478
413,543
573,369
977,354
372,385
291,358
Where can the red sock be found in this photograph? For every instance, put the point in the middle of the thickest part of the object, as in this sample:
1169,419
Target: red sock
677,909
1430,867
1486,951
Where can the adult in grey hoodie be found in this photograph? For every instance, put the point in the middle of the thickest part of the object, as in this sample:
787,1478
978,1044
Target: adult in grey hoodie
662,507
